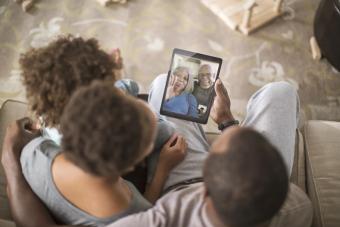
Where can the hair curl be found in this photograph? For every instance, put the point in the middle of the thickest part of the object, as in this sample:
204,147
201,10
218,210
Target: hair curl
104,131
51,74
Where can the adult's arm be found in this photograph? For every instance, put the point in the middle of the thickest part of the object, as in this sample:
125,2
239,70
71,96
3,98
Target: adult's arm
27,210
172,153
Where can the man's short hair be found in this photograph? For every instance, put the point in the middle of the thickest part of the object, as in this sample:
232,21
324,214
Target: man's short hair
51,74
248,182
104,131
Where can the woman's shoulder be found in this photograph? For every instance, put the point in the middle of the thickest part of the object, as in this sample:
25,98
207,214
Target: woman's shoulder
39,151
36,159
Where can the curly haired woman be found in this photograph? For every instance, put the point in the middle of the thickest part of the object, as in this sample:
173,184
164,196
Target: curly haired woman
52,74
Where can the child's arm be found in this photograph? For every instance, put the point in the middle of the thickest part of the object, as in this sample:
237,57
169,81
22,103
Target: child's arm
172,153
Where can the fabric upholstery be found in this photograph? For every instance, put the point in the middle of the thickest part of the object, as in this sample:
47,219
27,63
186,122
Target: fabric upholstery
322,140
5,223
11,110
298,175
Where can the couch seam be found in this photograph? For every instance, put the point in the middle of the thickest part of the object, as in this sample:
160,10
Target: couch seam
312,173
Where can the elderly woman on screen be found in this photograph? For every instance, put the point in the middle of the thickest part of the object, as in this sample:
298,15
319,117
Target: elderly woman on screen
178,98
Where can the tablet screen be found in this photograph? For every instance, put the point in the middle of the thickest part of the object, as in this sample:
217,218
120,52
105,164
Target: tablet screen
189,90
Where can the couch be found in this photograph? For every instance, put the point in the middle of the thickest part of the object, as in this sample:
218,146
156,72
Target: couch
316,168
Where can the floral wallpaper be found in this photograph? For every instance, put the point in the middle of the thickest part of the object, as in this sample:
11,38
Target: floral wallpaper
148,30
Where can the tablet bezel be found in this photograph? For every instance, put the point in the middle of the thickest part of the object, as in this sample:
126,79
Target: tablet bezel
204,119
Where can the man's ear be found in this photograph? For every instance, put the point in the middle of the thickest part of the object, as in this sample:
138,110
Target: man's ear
211,211
205,192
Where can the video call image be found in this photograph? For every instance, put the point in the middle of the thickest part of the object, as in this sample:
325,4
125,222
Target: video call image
190,86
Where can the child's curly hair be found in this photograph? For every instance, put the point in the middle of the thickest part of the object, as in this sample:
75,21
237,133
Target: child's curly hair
51,74
106,132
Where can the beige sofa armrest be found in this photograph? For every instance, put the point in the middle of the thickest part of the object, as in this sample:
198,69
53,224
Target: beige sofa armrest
10,110
322,141
5,223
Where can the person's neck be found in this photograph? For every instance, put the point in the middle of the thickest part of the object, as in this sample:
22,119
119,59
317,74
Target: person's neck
211,213
103,197
205,86
173,93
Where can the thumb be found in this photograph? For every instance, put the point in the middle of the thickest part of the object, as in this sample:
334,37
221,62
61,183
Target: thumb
220,90
28,125
24,123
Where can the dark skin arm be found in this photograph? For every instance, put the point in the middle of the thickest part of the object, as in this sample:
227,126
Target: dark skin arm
172,153
27,209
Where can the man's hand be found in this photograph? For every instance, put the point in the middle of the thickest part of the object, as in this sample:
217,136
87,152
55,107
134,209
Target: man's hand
220,110
172,153
18,134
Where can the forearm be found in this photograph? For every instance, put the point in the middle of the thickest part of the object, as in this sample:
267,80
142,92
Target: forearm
27,210
154,189
225,116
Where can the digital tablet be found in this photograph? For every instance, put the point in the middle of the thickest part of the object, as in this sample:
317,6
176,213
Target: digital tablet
189,92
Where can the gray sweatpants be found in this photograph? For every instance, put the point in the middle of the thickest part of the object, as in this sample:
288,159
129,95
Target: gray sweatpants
273,111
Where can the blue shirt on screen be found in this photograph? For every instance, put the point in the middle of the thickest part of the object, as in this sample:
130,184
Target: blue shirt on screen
185,104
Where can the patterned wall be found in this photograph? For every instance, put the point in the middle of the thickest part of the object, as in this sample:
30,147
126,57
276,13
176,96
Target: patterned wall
148,30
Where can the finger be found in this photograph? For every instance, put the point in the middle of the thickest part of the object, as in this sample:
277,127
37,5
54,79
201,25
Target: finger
28,125
36,125
118,53
220,90
182,143
181,140
172,80
172,140
25,123
185,146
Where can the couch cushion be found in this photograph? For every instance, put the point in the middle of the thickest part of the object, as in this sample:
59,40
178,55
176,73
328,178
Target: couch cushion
322,141
297,210
10,111
298,175
5,223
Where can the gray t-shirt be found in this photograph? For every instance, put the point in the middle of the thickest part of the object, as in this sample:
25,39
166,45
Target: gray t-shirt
36,161
187,207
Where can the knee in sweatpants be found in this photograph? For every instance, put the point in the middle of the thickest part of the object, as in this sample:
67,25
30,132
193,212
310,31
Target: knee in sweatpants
281,90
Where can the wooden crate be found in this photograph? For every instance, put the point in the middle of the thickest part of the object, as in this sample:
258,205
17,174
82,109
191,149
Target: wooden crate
232,12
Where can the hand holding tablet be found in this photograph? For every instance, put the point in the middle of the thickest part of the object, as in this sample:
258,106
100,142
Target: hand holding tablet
189,91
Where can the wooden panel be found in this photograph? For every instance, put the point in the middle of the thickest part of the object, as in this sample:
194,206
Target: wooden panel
233,11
